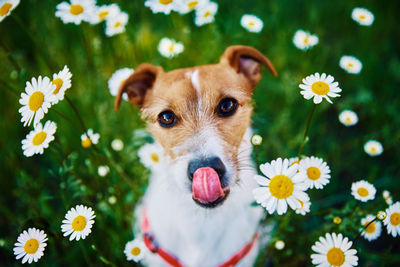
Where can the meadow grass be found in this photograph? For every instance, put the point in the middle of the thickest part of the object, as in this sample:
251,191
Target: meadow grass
39,190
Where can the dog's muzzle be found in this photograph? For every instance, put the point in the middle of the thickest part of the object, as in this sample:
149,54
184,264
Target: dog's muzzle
208,181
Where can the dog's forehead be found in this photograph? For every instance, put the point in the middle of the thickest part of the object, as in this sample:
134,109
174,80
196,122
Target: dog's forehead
186,85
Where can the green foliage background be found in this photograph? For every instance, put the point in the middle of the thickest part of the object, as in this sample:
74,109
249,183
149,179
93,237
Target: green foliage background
37,191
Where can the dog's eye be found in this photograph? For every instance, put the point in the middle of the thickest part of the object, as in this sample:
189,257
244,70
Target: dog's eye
227,107
167,119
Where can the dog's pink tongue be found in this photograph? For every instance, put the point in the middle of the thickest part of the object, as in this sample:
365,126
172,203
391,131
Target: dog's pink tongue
206,186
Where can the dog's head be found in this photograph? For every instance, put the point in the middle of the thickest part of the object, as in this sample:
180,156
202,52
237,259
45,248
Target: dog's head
199,115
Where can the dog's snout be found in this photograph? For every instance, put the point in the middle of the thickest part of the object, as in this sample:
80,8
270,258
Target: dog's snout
213,162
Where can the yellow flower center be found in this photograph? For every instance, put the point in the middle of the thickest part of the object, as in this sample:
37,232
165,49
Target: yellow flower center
76,9
135,251
4,9
335,257
251,23
306,40
350,65
154,157
118,24
207,14
313,173
362,17
395,219
281,186
373,150
362,192
320,88
371,228
103,15
36,100
31,246
39,138
165,2
58,82
171,48
86,142
192,4
79,223
337,220
347,120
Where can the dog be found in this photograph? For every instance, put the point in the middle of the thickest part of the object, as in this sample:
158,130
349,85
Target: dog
197,209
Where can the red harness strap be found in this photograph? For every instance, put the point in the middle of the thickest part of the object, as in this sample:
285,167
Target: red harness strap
152,245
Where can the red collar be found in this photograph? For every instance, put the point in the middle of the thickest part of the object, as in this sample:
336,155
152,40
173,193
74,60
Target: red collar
169,258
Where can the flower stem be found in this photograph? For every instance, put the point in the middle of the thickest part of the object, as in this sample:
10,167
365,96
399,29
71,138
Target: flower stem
101,256
83,126
10,57
365,227
121,172
10,88
65,117
306,131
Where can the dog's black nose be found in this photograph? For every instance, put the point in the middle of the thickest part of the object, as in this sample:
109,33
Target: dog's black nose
213,162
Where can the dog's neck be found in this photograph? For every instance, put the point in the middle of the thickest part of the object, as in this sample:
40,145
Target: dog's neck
191,232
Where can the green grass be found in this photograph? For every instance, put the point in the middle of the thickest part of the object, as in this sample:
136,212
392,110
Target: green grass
37,191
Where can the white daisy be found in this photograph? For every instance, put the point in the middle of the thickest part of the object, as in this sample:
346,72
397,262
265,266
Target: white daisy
104,12
334,250
282,185
363,191
30,245
78,222
134,250
387,197
169,47
116,25
348,117
186,6
39,138
362,16
389,200
251,23
319,87
151,155
103,170
117,79
374,229
305,207
373,148
350,64
256,140
112,200
36,100
392,220
161,6
304,40
385,194
205,14
279,245
6,6
117,144
90,138
62,80
317,172
76,11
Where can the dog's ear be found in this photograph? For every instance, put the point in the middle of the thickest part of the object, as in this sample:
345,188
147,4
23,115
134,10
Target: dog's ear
137,84
246,60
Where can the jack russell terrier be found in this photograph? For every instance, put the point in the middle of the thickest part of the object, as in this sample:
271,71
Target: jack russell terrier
197,209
